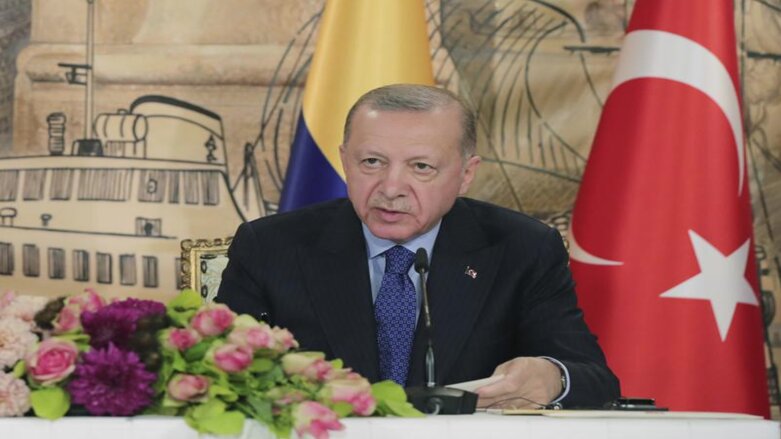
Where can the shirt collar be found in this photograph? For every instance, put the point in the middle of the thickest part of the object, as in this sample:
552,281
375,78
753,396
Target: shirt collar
376,246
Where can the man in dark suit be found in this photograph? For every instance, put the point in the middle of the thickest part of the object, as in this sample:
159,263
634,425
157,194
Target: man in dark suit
501,295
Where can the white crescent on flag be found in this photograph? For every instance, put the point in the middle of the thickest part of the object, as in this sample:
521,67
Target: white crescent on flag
659,54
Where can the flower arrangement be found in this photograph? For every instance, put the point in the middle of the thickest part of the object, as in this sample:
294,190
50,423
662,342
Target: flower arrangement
83,354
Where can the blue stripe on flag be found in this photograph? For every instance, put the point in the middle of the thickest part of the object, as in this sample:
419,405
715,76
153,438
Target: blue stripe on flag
310,177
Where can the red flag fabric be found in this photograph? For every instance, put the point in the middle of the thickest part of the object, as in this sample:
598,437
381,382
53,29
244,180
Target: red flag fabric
661,239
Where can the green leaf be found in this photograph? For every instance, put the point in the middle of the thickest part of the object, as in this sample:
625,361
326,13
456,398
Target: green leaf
187,299
342,409
391,400
81,339
398,408
50,402
212,407
197,352
20,368
388,391
230,423
182,307
224,392
169,402
261,408
261,365
211,417
337,363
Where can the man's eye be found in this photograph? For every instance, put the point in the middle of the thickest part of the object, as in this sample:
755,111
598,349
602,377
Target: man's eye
423,167
371,162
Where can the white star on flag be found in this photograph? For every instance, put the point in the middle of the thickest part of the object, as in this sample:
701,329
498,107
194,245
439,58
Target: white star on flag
721,280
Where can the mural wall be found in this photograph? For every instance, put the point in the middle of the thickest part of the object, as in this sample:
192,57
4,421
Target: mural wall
126,127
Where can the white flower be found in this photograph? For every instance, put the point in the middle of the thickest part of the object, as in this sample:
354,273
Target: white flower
21,307
14,396
16,340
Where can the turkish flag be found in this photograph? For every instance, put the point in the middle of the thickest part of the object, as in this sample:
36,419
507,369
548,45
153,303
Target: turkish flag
661,239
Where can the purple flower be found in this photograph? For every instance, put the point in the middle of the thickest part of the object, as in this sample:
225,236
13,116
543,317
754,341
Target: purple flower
111,381
115,323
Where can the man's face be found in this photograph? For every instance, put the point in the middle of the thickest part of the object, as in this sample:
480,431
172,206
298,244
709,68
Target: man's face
404,169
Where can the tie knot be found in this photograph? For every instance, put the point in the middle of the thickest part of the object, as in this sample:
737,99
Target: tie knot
398,260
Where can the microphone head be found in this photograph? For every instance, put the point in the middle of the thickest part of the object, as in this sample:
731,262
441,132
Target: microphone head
421,260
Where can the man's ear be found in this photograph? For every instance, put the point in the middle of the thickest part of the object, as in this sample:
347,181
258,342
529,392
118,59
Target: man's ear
470,170
342,157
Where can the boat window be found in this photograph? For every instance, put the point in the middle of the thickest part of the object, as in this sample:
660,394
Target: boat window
152,185
190,187
31,260
149,226
33,184
105,184
9,181
210,184
61,184
127,269
150,271
6,258
80,265
56,263
103,269
173,187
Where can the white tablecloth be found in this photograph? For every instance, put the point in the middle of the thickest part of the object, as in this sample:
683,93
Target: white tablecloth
482,426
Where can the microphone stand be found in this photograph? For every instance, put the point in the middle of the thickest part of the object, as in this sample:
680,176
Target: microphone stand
433,399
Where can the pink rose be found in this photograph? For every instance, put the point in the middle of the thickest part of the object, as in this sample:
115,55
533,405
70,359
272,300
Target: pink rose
6,298
282,396
316,419
285,340
188,388
182,339
259,336
89,300
354,390
14,396
53,361
68,320
311,365
213,319
232,358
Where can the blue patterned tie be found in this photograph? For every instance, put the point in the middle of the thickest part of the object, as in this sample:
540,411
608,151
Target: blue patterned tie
394,310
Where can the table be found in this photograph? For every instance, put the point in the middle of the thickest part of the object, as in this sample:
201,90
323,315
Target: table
481,425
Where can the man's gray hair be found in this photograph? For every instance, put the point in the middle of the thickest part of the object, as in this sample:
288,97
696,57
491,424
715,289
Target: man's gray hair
415,97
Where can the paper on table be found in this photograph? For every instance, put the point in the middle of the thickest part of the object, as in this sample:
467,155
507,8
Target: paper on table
471,386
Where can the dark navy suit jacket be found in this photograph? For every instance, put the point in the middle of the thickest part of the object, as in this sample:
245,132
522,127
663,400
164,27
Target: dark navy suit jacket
308,271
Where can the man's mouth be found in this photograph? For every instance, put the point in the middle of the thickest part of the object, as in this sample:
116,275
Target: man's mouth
389,215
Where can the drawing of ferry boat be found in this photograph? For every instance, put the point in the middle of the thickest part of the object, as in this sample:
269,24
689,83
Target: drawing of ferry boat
112,213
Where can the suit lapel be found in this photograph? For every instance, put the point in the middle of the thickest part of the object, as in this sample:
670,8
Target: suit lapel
337,278
463,267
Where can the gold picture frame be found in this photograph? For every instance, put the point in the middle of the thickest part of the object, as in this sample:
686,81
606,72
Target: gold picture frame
202,263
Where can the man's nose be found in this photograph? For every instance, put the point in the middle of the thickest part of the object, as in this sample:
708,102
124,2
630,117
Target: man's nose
394,182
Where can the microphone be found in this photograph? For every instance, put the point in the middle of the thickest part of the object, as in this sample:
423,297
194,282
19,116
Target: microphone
433,399
421,266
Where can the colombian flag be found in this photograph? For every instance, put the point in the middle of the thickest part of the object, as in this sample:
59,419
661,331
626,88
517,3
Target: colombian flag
361,45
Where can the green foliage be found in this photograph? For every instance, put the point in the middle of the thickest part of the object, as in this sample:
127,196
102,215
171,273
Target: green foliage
20,368
392,401
213,417
181,309
50,402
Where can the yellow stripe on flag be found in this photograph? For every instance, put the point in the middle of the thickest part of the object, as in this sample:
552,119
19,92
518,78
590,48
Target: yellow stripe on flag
362,45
